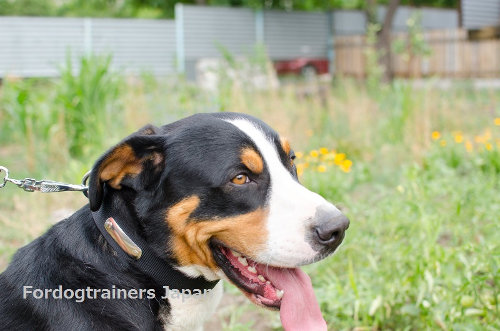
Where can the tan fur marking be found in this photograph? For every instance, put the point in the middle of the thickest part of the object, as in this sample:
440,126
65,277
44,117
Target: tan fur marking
285,144
252,160
244,233
120,163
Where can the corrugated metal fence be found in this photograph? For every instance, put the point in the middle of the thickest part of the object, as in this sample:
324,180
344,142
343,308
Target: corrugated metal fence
38,46
31,46
480,13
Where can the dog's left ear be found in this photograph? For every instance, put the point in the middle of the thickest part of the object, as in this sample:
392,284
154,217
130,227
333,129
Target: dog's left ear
125,162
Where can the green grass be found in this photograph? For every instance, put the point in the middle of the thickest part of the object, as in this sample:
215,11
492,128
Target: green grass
423,248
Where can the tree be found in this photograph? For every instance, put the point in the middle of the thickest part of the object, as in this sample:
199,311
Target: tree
383,44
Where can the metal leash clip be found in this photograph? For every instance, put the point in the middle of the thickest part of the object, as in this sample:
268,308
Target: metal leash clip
44,186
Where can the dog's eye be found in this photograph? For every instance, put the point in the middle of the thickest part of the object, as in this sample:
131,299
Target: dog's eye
240,179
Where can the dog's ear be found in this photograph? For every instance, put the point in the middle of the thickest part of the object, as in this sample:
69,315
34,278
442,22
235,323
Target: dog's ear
143,149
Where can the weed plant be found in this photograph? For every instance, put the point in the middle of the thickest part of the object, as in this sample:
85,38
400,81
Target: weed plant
416,170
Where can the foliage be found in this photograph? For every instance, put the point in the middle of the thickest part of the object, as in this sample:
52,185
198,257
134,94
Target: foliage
88,102
414,45
414,169
374,70
165,8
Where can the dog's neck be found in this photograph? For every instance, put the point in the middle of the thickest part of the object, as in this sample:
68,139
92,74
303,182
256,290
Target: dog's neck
153,264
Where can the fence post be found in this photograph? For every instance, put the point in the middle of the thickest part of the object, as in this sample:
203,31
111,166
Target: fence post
259,26
331,44
179,38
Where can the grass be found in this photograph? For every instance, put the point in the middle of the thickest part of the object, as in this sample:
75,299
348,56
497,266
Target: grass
421,185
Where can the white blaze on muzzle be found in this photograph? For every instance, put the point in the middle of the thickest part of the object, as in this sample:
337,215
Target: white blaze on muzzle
292,207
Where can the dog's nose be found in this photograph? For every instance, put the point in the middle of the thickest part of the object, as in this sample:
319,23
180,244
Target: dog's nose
331,232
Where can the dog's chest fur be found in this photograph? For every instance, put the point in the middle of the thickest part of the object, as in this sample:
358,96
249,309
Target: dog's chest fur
191,313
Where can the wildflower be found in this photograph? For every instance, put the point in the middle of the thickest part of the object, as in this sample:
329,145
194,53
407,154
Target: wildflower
497,121
314,153
300,168
435,135
321,168
339,158
309,133
479,139
299,155
487,134
323,150
442,143
345,166
459,138
488,146
400,189
468,146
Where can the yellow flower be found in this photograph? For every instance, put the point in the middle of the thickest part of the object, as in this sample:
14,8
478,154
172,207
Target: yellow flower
314,153
487,134
497,121
345,167
339,158
321,168
479,139
300,169
323,150
468,146
442,143
435,135
299,155
347,164
459,138
488,146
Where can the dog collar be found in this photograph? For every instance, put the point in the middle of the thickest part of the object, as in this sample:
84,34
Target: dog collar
130,247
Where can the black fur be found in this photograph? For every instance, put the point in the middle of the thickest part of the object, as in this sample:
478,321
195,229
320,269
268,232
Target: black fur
195,156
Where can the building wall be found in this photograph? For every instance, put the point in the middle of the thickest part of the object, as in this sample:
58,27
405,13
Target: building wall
480,13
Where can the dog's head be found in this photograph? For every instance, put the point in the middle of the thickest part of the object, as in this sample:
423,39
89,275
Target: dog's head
219,195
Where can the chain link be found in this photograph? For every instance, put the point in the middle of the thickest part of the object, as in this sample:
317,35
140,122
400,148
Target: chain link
44,186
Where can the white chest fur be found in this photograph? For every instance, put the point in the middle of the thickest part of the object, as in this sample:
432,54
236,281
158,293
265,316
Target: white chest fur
192,313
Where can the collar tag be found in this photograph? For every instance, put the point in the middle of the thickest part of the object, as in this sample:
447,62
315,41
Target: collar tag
121,238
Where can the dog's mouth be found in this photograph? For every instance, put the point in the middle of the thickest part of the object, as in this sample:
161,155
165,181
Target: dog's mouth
287,289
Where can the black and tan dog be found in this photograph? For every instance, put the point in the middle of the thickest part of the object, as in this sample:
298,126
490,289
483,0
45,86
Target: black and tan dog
178,208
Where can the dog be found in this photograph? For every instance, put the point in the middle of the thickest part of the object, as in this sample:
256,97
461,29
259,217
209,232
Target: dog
172,211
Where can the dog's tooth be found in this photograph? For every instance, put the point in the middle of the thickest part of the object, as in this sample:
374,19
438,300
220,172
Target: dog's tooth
268,283
252,270
243,261
261,278
235,253
279,293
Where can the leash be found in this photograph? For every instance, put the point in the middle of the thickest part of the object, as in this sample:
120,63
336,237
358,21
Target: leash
44,186
119,234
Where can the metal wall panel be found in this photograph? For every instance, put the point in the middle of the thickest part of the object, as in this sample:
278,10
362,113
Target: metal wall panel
136,44
348,22
295,34
38,46
431,19
33,46
207,30
480,13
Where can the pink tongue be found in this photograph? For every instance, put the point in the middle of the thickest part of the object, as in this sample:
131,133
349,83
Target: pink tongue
299,307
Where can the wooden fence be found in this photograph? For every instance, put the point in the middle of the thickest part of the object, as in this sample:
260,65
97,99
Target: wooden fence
451,55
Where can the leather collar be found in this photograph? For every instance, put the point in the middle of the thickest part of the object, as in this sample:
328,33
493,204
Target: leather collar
158,269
